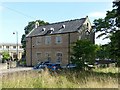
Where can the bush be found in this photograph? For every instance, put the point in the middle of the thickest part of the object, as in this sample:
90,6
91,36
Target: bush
22,62
6,56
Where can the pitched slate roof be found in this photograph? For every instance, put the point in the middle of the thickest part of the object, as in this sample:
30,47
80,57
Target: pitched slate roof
70,26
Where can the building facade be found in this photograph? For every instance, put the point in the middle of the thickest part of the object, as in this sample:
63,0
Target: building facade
53,42
12,49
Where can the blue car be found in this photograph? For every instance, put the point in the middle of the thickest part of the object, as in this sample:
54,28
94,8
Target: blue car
51,66
40,65
54,67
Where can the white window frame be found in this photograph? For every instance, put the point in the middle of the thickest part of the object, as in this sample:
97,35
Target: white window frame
58,39
47,40
38,40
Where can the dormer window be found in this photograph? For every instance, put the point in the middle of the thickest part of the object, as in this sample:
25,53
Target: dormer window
52,29
43,29
63,26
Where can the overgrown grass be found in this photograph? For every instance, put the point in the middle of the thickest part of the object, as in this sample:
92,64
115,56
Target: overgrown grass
64,79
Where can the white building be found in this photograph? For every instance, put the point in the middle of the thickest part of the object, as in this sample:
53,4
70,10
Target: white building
12,49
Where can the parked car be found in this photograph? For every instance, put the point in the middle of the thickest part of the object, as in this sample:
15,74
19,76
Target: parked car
70,65
40,65
54,67
51,66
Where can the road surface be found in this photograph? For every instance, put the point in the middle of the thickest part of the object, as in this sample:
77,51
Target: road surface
16,69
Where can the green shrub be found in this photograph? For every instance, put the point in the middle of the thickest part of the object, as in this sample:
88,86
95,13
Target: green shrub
6,56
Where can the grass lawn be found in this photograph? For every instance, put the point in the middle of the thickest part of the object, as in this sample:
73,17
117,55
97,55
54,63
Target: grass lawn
97,78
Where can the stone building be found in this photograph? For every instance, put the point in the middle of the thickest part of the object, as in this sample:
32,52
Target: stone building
52,42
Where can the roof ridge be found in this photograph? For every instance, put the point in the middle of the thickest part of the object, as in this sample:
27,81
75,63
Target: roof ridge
67,21
62,22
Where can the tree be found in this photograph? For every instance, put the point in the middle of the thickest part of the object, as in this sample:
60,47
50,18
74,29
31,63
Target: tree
27,29
110,26
117,13
102,52
83,51
111,23
115,47
6,56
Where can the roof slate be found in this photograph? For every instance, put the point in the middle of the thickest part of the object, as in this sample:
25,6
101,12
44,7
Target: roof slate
70,26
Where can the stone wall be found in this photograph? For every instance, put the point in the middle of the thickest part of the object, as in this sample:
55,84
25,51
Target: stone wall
11,64
3,66
53,48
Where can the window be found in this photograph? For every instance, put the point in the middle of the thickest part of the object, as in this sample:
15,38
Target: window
38,40
87,24
7,46
47,55
79,37
14,47
20,47
38,56
48,40
59,56
88,29
14,55
58,39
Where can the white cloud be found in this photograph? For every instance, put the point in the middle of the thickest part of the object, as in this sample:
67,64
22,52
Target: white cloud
97,14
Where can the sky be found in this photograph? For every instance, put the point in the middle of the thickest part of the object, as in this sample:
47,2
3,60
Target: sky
14,16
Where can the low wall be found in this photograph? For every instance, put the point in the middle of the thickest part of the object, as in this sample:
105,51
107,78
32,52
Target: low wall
13,64
3,66
10,64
